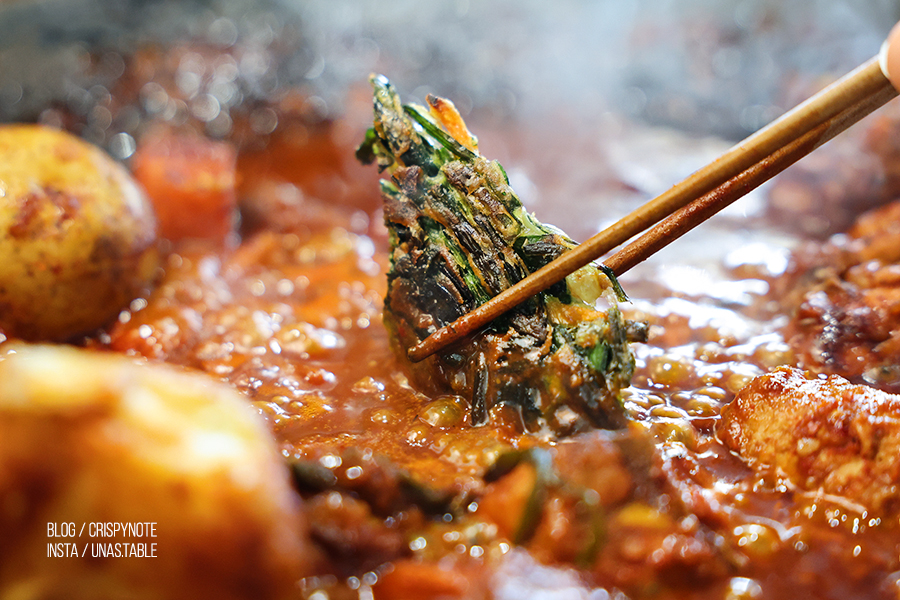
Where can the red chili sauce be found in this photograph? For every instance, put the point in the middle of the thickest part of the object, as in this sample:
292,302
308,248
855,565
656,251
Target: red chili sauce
407,500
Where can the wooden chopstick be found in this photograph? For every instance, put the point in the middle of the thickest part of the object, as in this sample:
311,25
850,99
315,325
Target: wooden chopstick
686,218
802,129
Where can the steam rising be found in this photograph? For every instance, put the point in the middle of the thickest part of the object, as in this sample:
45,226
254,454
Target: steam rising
724,67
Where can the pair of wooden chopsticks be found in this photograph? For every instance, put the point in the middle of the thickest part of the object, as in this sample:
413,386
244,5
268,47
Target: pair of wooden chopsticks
687,204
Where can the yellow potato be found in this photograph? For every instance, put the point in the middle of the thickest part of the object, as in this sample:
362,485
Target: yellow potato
92,439
77,235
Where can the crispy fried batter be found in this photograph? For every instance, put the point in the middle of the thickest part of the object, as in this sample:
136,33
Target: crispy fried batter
820,434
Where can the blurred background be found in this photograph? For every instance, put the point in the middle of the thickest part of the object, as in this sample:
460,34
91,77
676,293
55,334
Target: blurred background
723,67
592,105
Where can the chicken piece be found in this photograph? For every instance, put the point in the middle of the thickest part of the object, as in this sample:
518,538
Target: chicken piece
91,438
845,300
877,235
820,434
77,235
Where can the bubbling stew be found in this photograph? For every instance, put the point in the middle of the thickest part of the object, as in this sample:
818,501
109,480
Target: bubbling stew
754,453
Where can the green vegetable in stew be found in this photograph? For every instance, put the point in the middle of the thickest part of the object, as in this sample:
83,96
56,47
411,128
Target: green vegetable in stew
459,236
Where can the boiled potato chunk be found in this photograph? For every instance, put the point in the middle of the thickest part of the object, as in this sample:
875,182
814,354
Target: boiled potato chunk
77,235
92,438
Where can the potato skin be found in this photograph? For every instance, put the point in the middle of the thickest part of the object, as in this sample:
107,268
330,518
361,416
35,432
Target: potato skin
77,235
92,437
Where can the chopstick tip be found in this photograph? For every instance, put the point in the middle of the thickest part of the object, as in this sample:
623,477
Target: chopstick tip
420,351
438,340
